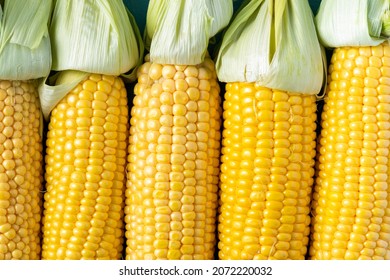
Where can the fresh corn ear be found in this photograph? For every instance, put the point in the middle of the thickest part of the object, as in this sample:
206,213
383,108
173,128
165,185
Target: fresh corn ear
20,170
88,130
171,196
351,198
268,145
24,57
85,172
173,170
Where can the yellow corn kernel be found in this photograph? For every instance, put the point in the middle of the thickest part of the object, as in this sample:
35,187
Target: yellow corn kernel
351,195
21,172
173,163
85,172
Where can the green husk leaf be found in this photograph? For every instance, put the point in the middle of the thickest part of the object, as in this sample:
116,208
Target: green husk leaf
221,11
273,43
386,24
178,31
352,22
24,39
93,36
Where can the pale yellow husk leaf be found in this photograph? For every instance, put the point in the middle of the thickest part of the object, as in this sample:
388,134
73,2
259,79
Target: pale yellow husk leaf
178,31
351,22
274,44
93,36
24,39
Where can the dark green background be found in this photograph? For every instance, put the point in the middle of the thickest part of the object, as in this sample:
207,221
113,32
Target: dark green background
138,9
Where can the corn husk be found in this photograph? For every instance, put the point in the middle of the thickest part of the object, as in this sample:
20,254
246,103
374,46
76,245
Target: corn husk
24,39
274,44
351,22
89,36
178,31
93,36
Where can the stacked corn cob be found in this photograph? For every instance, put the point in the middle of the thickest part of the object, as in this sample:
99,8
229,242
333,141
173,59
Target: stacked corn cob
24,57
87,133
269,133
351,201
172,187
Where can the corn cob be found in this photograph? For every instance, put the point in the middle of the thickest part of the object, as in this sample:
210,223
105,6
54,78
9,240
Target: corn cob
20,170
171,195
268,151
351,199
85,172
